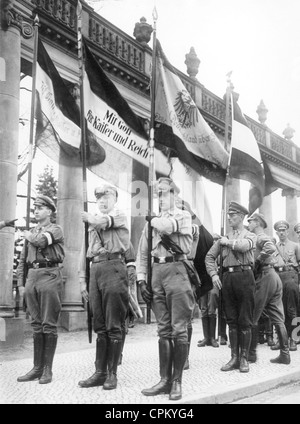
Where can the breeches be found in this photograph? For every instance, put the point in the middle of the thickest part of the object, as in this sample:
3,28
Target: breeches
238,297
268,296
173,300
109,297
43,291
209,302
290,293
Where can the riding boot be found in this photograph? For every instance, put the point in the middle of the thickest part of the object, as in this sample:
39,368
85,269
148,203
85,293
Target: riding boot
180,353
212,319
252,357
165,349
293,344
284,356
50,341
276,346
123,342
38,358
223,332
234,362
187,363
205,326
269,332
99,376
261,331
245,341
113,355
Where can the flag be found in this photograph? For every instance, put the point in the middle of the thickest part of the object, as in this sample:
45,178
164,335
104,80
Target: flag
245,159
117,128
192,191
58,132
182,129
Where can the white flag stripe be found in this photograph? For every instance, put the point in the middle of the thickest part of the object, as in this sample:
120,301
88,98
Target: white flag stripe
243,139
67,131
106,124
192,190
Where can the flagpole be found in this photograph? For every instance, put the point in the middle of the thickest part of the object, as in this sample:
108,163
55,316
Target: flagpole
226,146
83,158
32,116
151,161
31,142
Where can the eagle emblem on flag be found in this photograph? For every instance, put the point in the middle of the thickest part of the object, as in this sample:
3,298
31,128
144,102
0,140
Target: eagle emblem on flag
185,109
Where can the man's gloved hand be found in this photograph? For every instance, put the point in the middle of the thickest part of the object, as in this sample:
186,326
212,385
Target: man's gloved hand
146,295
10,223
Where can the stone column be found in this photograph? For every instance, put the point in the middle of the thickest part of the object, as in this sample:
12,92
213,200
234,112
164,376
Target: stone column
266,210
69,206
11,24
291,214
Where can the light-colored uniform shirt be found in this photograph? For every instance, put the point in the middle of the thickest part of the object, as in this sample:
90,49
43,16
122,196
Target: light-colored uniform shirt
290,251
177,224
110,234
265,250
241,251
44,243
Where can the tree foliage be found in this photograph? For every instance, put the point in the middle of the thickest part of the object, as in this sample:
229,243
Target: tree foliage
47,184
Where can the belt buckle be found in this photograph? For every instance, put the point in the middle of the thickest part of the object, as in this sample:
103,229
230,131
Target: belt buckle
280,269
35,265
230,269
162,260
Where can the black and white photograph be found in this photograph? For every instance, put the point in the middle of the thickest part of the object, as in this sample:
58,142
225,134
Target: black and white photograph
149,204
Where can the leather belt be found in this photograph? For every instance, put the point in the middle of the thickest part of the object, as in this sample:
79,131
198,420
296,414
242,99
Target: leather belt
107,257
238,268
165,259
38,265
283,268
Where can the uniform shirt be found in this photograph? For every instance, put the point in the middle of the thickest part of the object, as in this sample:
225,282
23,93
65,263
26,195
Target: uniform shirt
177,224
110,234
241,252
290,252
265,249
44,243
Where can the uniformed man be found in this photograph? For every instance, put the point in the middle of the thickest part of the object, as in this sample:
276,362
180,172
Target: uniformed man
268,291
288,258
43,289
196,223
297,230
237,254
209,305
108,292
172,295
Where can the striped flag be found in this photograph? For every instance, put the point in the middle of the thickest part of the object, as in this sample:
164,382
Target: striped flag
58,132
117,128
245,159
182,129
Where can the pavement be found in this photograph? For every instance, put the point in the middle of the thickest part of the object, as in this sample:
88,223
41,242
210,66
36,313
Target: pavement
203,382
